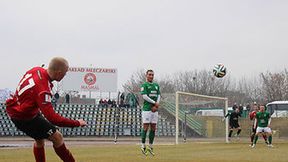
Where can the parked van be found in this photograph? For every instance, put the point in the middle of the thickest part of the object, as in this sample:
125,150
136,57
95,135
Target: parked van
278,109
212,112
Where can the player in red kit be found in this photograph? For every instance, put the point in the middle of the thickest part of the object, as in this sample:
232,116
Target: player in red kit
31,111
252,116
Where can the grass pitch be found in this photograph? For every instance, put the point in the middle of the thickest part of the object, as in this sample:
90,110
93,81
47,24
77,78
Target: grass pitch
188,152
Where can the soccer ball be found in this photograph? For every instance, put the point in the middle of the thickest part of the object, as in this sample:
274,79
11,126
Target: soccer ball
219,70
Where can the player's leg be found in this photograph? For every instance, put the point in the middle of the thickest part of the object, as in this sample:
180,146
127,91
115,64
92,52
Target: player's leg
151,138
152,133
143,138
39,129
238,129
264,135
268,131
252,135
231,130
154,120
39,151
230,133
255,140
145,121
60,148
258,130
236,126
270,140
144,133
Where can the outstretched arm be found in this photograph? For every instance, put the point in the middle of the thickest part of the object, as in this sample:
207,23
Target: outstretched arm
56,119
228,114
44,103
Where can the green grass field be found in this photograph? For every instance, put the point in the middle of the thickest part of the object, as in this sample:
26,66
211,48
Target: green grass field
188,152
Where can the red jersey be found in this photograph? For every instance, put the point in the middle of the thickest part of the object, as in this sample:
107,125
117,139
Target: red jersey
252,116
33,95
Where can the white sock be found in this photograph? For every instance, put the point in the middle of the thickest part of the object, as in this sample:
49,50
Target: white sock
143,145
151,145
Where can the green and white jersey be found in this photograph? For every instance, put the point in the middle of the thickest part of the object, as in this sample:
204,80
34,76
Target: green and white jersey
152,90
262,119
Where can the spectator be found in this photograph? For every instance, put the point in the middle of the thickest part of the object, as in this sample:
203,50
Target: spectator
55,99
248,107
114,103
137,100
67,98
109,103
122,98
56,96
240,108
105,103
101,102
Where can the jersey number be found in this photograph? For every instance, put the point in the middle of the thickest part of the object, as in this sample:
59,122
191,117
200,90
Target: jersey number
30,84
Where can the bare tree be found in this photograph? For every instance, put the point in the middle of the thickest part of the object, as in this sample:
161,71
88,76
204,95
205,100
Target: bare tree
202,82
275,85
268,87
134,83
250,90
167,85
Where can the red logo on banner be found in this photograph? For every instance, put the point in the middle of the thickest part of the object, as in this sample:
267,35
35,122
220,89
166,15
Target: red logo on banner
90,78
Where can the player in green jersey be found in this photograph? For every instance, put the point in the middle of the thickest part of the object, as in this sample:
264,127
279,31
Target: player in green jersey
262,121
150,92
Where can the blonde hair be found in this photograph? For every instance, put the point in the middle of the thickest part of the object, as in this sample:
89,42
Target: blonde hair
58,64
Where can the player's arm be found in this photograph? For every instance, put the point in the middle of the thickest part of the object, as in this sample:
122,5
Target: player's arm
44,102
145,96
158,101
154,103
148,99
251,115
228,114
158,98
255,123
269,121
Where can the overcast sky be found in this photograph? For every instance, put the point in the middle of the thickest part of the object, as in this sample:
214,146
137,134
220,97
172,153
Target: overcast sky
248,36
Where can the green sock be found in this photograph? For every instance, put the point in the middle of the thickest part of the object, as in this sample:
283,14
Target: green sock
255,139
151,136
143,135
270,139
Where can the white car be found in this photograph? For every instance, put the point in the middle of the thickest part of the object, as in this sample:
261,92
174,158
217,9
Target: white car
213,112
278,109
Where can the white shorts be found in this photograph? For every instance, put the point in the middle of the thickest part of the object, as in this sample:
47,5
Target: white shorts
263,129
149,117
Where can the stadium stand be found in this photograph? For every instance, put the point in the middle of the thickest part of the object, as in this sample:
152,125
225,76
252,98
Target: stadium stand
101,121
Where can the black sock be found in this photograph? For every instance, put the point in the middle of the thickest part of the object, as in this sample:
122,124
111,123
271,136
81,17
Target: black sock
238,132
252,137
230,133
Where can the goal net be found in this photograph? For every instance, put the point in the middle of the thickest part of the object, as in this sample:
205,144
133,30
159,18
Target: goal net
197,116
